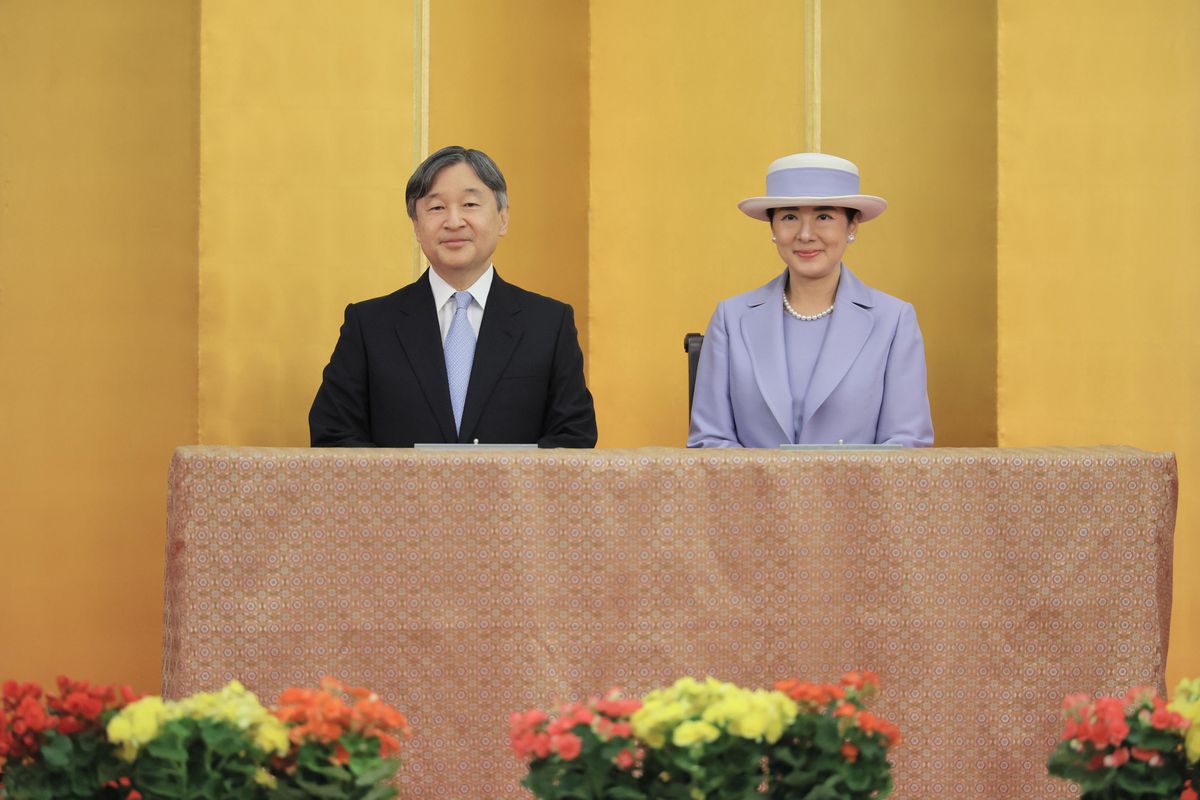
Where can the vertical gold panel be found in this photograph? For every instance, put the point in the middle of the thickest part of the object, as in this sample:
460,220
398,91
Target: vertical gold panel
910,96
306,144
97,326
690,103
1098,286
511,79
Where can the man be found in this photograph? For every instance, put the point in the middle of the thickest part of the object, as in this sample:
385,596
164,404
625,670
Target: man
460,355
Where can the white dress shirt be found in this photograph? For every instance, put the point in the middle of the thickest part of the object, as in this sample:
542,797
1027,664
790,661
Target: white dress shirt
443,300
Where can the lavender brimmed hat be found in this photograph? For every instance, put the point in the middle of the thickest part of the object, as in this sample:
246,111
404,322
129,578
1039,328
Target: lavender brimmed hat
813,179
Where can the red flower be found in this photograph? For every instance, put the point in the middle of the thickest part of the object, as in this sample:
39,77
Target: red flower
567,745
624,759
1151,757
1117,757
849,752
613,705
1162,719
1189,793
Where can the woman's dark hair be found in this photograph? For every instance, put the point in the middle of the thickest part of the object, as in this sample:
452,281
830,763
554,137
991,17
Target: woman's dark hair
850,213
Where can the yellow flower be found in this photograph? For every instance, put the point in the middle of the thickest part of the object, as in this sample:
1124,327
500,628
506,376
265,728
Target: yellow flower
673,714
272,736
136,724
1187,705
139,722
264,778
693,732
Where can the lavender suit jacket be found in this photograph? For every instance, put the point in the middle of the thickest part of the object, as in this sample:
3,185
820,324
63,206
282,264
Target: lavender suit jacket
868,385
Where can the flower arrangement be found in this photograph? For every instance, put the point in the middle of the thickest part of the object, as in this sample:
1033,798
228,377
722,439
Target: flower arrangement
209,745
1137,746
335,741
586,750
834,748
345,743
710,739
53,745
707,739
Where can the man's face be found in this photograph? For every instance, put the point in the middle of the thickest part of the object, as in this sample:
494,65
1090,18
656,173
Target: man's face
458,225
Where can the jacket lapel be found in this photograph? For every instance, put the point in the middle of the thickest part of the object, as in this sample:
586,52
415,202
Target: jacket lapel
849,327
420,337
762,332
499,334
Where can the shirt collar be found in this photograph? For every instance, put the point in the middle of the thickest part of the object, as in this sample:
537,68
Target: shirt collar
442,291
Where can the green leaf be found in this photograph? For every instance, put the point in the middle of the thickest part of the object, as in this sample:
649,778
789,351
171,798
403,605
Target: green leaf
380,792
324,789
375,770
827,738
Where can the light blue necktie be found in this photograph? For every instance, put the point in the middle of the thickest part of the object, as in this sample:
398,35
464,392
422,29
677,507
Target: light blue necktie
460,354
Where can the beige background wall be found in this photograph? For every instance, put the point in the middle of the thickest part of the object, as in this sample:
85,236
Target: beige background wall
190,193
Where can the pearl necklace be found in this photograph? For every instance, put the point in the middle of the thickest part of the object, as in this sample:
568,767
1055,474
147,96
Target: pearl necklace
805,317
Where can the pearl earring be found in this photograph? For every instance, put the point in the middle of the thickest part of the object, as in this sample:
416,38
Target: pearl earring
773,239
850,238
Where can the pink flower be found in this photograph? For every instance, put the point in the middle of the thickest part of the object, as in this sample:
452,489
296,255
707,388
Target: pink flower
623,759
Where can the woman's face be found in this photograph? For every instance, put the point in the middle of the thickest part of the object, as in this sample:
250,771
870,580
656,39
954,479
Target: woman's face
811,239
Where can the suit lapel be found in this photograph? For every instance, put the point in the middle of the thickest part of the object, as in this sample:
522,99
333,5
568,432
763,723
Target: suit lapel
499,334
849,327
762,331
420,337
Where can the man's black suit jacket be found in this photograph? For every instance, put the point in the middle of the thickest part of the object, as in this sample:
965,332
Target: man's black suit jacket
386,383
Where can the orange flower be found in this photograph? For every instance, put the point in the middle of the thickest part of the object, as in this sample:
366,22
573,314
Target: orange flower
814,694
860,680
870,723
323,715
849,752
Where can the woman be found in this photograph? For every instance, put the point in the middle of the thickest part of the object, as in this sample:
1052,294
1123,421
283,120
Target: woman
815,356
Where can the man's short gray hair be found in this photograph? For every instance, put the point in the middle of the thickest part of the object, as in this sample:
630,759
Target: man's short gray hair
421,182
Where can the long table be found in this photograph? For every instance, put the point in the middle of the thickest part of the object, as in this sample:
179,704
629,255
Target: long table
981,584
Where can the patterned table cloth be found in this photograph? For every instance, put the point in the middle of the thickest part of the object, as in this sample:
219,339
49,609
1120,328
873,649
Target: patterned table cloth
981,584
